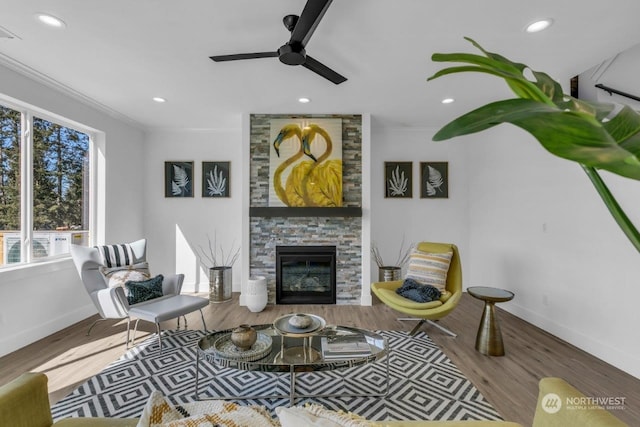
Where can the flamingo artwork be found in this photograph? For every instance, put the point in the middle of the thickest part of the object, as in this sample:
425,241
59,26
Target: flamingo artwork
322,183
312,176
287,133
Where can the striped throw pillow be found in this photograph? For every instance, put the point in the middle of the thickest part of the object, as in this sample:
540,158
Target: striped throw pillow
116,255
429,268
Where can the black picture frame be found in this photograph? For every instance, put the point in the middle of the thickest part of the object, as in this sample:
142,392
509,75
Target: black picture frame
216,179
434,180
178,179
398,180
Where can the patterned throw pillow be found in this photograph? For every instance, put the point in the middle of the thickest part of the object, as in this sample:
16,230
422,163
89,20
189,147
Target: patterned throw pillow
146,290
159,412
118,276
116,255
318,416
429,268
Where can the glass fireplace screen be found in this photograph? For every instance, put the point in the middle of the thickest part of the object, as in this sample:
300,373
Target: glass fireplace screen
305,274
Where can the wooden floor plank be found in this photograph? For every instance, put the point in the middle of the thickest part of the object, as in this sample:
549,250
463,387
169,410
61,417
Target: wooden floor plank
510,383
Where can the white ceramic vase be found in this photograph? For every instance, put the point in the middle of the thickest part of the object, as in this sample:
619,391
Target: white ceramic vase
256,295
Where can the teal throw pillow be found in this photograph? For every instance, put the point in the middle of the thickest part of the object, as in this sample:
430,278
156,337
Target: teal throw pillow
144,290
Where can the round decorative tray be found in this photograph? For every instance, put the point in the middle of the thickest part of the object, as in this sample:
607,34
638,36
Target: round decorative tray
225,349
283,327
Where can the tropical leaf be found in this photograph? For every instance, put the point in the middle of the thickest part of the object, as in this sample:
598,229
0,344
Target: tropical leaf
180,176
398,184
573,129
175,189
434,178
430,190
593,134
573,135
616,211
216,182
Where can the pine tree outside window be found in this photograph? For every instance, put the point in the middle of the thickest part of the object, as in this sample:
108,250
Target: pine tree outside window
44,186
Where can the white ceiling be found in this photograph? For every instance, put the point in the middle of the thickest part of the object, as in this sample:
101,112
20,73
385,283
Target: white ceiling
121,53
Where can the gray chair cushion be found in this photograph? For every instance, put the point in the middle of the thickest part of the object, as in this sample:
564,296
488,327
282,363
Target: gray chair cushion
167,308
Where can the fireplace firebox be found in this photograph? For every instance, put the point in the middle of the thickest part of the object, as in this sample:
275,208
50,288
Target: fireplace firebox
305,274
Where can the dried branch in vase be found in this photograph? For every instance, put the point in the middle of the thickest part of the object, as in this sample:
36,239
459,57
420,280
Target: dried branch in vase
403,254
213,259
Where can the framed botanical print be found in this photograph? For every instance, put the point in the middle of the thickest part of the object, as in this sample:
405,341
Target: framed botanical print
178,179
216,179
398,180
434,180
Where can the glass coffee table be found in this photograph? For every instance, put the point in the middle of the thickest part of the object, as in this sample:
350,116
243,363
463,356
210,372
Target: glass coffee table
289,353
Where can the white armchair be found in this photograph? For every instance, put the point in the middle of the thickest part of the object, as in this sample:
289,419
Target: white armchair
112,303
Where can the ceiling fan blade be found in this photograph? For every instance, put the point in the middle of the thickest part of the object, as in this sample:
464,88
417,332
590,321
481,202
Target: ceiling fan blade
235,57
309,19
323,70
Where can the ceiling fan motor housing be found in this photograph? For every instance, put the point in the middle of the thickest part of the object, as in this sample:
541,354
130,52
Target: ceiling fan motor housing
291,54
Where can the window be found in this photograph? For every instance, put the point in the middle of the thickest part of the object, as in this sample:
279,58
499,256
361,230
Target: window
44,186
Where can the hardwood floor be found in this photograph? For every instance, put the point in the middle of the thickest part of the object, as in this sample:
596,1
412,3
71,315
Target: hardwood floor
510,383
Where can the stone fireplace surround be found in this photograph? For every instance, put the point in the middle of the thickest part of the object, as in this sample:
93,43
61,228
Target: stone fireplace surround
344,232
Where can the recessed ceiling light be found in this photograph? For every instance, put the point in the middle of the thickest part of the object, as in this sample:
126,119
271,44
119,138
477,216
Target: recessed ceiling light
540,25
447,100
50,20
159,99
304,100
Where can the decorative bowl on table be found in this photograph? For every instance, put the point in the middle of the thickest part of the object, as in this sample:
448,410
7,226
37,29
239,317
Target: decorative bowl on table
300,321
226,349
244,336
284,326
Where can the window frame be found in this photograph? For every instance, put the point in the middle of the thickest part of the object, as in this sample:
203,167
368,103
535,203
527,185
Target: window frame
27,114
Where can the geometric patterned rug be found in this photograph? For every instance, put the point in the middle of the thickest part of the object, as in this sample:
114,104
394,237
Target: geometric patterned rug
424,383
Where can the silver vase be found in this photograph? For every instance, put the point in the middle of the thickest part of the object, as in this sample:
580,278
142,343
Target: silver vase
220,284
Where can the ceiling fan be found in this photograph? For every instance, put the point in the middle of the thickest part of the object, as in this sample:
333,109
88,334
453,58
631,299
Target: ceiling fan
293,52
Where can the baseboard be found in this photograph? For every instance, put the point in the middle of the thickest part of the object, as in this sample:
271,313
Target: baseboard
627,362
197,287
25,337
366,300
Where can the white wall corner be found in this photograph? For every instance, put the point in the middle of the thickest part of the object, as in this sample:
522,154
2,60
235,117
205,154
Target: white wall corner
246,201
365,292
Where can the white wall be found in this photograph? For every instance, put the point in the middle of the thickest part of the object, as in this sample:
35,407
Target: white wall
539,228
38,300
177,227
435,220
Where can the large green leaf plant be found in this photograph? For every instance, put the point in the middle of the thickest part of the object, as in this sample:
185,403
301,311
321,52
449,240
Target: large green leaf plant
595,135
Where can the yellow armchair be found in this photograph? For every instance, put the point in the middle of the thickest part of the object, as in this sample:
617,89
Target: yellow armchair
24,402
427,312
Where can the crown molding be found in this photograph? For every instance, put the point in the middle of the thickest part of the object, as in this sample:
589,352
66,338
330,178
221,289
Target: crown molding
52,83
